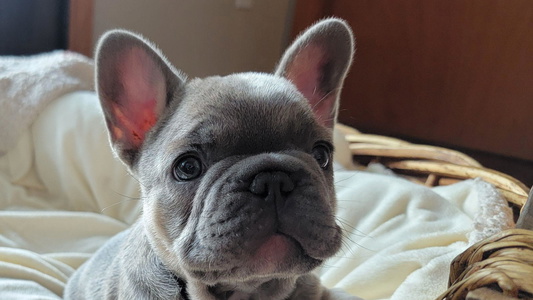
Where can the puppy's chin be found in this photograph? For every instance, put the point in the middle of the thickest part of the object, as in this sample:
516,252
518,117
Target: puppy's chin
278,256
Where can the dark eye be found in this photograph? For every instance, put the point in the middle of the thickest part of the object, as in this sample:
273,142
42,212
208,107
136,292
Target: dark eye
187,167
322,155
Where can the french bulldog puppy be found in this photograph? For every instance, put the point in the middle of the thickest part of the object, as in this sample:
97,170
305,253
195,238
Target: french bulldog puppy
235,173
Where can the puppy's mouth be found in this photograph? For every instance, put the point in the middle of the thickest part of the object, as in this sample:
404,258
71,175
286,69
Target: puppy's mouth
276,251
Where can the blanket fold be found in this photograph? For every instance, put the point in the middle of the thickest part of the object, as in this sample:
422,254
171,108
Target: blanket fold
29,83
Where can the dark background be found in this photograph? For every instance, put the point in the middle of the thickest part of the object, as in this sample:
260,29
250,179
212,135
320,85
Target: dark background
33,26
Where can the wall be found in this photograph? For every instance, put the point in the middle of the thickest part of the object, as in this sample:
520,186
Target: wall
204,37
45,32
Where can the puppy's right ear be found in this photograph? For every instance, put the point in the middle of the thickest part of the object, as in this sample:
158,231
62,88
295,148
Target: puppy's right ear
135,84
317,63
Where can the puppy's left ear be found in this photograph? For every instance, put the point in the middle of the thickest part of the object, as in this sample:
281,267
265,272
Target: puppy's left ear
135,85
317,63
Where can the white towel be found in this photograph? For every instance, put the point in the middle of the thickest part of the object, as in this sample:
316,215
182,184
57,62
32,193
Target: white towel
29,83
401,237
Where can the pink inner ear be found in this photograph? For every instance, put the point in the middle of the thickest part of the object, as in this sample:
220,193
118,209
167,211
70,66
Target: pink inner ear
131,125
142,100
305,72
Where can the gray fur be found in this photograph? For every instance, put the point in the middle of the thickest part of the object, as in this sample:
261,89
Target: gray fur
226,234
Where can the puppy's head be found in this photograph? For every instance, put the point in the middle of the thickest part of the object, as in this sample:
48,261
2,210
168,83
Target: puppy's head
235,171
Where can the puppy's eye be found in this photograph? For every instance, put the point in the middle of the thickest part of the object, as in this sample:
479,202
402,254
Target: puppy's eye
322,155
187,167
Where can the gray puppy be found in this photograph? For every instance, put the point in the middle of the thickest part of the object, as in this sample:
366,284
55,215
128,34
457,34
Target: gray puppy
235,173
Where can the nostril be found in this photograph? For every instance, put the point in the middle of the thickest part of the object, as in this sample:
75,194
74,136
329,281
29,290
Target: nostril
259,185
285,182
271,184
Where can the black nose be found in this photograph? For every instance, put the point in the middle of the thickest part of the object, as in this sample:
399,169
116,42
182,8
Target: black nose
272,185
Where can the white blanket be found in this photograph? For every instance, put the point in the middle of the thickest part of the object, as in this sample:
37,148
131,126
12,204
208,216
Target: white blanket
29,83
63,194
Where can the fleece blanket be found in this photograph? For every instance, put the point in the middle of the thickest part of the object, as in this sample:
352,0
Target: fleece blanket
63,194
28,84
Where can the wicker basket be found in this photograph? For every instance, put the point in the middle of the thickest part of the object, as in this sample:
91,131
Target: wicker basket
500,267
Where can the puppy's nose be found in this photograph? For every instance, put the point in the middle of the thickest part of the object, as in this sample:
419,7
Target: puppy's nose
271,185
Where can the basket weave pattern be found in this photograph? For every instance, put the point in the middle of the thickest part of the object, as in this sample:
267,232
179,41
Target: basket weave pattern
430,165
500,267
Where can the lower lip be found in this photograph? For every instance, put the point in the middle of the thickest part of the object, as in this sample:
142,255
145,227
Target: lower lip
275,245
270,255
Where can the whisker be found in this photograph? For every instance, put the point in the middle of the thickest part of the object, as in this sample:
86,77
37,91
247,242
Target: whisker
117,203
337,181
345,224
135,178
128,198
350,248
323,97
